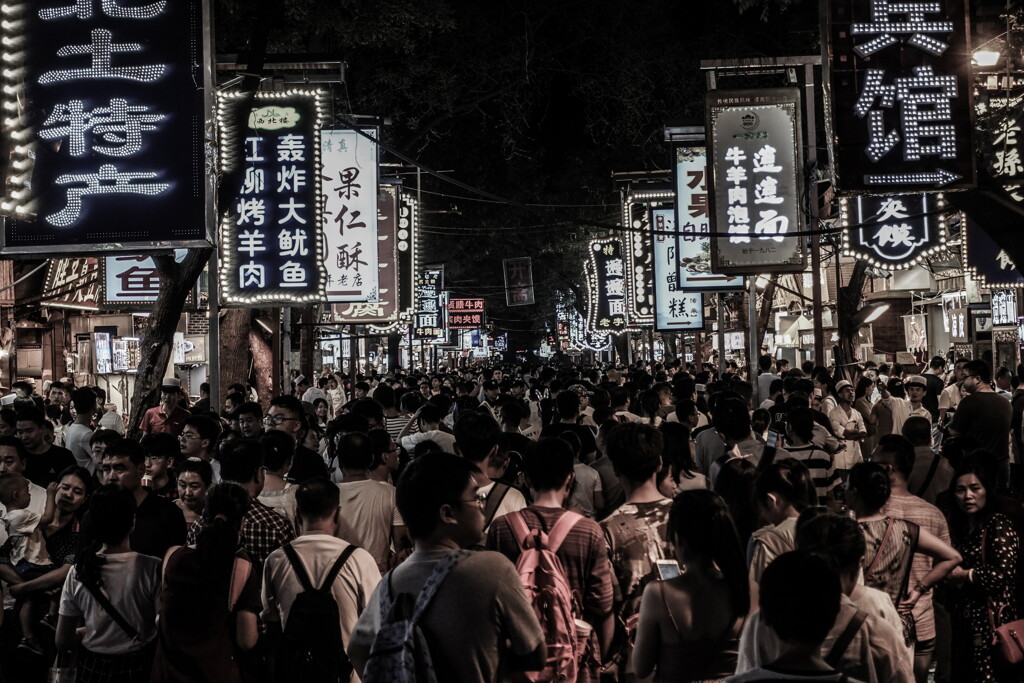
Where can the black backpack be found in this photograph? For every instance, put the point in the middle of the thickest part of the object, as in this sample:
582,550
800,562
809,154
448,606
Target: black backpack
311,649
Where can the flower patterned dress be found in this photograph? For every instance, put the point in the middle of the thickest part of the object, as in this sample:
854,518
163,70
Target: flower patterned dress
991,550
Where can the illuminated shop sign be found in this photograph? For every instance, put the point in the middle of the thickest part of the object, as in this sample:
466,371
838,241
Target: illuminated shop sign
606,287
893,231
675,309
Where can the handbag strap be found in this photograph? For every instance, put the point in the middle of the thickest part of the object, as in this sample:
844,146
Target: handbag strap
842,644
881,547
494,500
931,475
100,597
915,535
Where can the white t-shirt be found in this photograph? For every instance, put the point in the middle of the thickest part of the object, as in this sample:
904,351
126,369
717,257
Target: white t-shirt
588,482
282,502
841,422
76,440
317,552
443,439
366,514
512,501
132,582
111,420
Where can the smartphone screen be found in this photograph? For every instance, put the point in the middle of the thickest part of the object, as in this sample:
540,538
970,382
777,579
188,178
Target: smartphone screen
773,439
668,569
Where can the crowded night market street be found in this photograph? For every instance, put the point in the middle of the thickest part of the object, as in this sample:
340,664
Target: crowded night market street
460,341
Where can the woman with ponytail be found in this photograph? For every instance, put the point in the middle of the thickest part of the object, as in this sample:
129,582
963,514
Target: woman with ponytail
690,625
115,592
891,544
781,492
211,596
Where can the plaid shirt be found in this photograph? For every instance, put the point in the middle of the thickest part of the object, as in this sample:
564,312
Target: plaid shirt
263,532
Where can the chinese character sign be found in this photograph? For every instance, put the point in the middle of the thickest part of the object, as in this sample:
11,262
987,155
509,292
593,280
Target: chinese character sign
428,324
72,283
693,218
132,279
1004,158
674,308
901,91
408,227
104,106
640,279
755,151
606,287
987,263
350,214
270,241
465,314
385,309
893,231
1004,307
519,281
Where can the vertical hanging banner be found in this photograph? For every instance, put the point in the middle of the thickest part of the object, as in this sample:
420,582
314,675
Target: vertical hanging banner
105,108
606,287
427,324
756,181
519,281
465,314
408,226
674,309
986,262
1004,307
893,231
385,309
350,214
270,245
693,218
899,95
636,213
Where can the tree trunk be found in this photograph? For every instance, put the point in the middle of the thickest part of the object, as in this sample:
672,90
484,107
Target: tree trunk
235,324
764,316
176,281
848,302
262,363
621,342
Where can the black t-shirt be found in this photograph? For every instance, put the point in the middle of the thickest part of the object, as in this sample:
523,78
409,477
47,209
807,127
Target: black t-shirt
510,441
306,464
159,524
43,468
586,436
984,417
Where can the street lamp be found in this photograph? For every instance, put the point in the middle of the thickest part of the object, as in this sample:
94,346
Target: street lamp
868,314
987,57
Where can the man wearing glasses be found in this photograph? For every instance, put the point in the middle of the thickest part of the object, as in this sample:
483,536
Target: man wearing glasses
198,439
984,416
287,415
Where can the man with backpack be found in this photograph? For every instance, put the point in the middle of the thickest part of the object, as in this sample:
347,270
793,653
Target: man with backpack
446,614
581,565
315,588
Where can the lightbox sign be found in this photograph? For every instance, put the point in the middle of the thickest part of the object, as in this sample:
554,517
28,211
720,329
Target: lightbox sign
987,263
674,308
1005,156
427,323
606,287
72,283
756,181
408,227
385,308
132,279
1004,307
350,214
270,244
901,89
893,231
693,218
104,114
519,281
465,314
638,251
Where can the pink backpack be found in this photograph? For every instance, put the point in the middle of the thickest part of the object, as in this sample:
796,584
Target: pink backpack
548,590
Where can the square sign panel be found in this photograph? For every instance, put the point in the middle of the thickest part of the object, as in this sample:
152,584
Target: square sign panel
900,95
105,111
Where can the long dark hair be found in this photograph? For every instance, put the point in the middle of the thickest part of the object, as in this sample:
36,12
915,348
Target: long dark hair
113,513
226,504
871,482
790,480
980,463
676,449
88,482
702,521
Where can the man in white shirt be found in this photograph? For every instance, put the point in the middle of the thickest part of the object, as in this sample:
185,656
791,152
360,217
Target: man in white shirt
916,387
476,440
848,424
429,419
951,396
317,549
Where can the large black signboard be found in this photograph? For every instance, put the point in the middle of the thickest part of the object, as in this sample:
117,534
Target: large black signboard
105,104
900,95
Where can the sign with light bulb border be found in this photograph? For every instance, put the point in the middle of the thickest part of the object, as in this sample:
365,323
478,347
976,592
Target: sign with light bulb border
893,232
106,106
899,92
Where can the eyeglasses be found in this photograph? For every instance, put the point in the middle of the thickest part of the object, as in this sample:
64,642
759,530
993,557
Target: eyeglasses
275,420
480,499
186,436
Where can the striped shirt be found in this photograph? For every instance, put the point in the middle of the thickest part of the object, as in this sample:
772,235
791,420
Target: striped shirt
822,467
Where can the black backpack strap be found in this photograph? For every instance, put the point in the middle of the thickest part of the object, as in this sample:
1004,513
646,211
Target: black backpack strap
931,475
296,563
494,500
104,601
842,644
338,564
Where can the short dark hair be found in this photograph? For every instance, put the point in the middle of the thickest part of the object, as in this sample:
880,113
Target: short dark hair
204,388
979,368
430,414
548,464
250,408
126,448
476,435
159,445
84,400
635,451
567,403
33,415
236,397
871,482
428,483
800,596
9,417
355,451
289,403
317,498
902,449
109,436
17,444
368,409
730,417
278,449
207,427
197,465
835,538
240,460
113,512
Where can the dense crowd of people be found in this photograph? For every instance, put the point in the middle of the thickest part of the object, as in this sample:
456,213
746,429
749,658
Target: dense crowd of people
661,521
